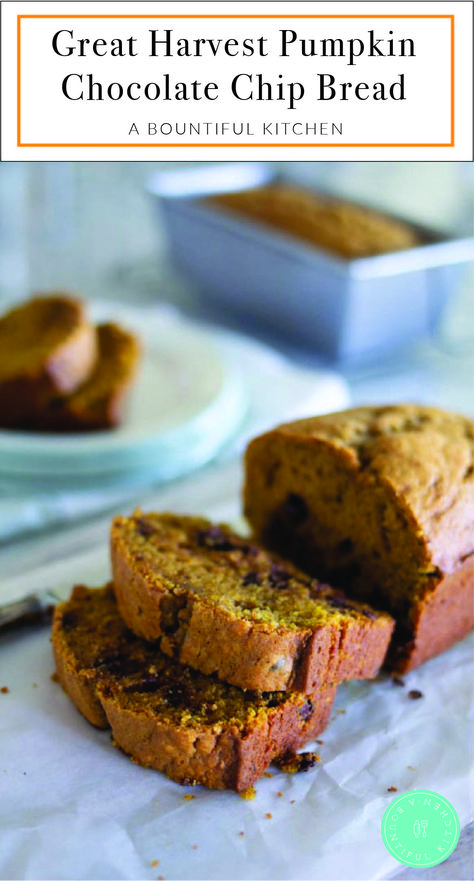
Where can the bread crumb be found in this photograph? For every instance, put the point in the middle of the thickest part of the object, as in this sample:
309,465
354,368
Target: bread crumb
269,816
248,794
398,681
319,741
293,763
241,834
292,802
155,863
279,794
54,677
189,796
267,774
4,689
414,694
392,789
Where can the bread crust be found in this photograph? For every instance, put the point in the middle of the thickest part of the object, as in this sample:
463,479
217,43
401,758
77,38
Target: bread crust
407,471
230,759
221,755
33,371
98,403
252,655
444,616
343,228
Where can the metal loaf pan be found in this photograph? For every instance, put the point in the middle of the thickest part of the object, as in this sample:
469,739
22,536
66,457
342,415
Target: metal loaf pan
341,308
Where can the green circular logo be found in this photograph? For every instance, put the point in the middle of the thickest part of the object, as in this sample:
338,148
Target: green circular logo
420,828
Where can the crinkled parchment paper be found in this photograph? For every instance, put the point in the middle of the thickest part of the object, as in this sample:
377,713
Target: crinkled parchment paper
73,807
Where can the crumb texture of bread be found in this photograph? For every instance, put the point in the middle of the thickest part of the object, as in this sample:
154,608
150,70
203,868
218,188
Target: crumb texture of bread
191,727
99,402
47,348
227,607
380,501
348,230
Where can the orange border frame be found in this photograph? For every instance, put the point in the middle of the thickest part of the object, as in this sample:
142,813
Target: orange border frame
181,144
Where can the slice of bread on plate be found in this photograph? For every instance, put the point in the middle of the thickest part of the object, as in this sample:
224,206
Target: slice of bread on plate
47,348
99,402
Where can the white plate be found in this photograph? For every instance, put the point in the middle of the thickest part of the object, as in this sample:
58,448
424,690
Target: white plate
187,401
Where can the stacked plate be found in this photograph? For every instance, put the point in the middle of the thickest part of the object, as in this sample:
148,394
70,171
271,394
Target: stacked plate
187,402
201,395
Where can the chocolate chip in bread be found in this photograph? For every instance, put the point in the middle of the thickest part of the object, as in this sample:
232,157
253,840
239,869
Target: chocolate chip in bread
224,605
192,727
380,501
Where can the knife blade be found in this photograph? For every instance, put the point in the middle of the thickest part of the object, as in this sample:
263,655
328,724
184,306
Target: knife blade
35,608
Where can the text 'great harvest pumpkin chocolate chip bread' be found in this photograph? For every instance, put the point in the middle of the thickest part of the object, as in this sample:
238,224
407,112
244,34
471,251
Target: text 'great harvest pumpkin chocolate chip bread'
166,716
227,607
378,500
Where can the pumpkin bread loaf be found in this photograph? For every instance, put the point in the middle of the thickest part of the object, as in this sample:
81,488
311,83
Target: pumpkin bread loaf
192,727
378,500
348,230
226,607
47,348
98,403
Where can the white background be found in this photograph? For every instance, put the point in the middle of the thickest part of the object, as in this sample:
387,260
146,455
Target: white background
48,117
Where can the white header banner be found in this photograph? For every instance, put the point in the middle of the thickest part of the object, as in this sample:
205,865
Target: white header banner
243,80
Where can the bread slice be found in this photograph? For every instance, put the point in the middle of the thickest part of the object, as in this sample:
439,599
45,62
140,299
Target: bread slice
98,403
348,230
226,607
47,347
192,727
379,500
